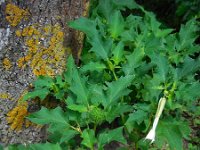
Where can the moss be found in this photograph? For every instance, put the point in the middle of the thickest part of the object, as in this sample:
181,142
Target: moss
14,14
7,63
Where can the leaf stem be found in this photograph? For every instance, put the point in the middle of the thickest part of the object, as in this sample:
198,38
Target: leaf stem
95,127
78,129
112,69
114,74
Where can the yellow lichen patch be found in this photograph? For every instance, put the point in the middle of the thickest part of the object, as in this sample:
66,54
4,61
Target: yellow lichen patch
47,29
43,59
7,63
32,45
21,62
14,14
29,31
16,117
5,96
18,33
41,71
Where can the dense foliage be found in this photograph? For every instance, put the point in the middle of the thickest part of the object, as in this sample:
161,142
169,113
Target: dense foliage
129,62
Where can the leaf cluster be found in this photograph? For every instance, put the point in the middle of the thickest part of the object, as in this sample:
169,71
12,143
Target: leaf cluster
131,62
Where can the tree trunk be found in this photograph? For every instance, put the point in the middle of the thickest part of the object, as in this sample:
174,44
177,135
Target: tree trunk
34,40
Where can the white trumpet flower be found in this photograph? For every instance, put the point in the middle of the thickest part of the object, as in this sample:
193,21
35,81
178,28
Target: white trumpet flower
152,133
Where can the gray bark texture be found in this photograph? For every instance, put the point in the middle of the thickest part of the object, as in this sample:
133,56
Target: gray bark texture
34,40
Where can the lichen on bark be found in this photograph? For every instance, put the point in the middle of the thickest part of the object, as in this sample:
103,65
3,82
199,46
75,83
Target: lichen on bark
33,41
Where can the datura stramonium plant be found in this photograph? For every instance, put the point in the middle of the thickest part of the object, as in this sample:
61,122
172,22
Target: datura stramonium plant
152,133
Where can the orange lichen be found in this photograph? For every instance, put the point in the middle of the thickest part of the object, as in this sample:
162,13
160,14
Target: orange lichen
7,63
43,59
14,14
40,71
28,57
17,116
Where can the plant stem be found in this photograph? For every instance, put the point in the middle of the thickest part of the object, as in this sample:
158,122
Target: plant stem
114,74
123,120
78,129
95,127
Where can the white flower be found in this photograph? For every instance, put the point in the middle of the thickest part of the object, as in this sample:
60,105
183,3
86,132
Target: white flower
152,133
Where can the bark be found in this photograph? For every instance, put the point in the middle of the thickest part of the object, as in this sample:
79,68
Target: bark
34,40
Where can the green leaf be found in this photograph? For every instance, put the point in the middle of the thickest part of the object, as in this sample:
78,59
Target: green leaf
41,93
78,87
117,110
152,87
189,66
79,108
89,139
93,66
68,74
101,48
135,117
116,24
60,95
56,128
85,25
49,146
155,26
68,135
109,136
133,22
133,60
153,23
105,8
59,81
172,132
43,81
117,89
188,91
126,3
187,35
163,32
97,94
162,65
45,116
118,53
